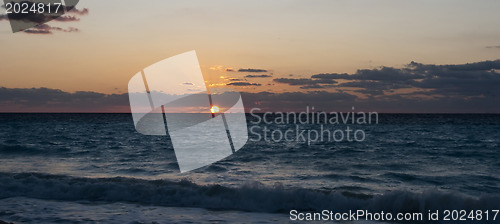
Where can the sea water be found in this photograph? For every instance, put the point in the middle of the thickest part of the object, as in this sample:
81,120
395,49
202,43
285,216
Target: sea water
88,168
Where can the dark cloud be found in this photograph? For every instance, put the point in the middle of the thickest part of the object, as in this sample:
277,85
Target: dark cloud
463,80
342,101
35,18
304,81
251,70
41,19
465,88
382,74
296,101
372,92
67,19
46,29
76,11
490,47
315,86
366,78
331,76
243,84
54,100
258,76
477,66
466,80
373,87
229,70
37,31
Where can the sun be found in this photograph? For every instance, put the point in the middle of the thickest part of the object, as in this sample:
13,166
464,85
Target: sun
214,109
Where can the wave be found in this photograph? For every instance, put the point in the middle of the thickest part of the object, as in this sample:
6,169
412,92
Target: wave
254,197
17,149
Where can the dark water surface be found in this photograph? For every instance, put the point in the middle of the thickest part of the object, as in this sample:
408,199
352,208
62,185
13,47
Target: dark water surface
407,162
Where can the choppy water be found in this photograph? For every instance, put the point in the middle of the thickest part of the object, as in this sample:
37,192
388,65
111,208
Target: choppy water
406,163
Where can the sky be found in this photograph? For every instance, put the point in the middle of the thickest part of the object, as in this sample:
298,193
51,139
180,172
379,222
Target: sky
383,55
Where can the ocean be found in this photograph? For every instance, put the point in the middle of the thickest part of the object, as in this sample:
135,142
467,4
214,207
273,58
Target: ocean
96,168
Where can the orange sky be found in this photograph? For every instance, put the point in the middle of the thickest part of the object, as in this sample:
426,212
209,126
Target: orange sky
302,38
